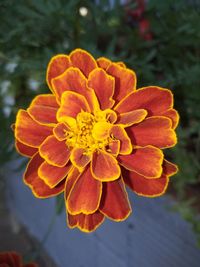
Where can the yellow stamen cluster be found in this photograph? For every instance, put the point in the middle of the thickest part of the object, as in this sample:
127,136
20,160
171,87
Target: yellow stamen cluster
90,132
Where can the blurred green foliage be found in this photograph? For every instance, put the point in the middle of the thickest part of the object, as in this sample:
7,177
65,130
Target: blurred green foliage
34,30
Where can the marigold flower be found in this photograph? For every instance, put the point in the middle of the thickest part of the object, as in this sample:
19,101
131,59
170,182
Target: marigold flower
13,259
92,135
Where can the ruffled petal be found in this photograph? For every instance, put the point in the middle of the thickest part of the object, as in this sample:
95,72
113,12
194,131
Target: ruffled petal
86,223
30,265
104,166
28,131
103,85
103,62
4,265
79,159
114,147
72,178
125,81
145,187
121,64
60,131
156,131
154,99
173,115
54,152
114,203
83,60
146,161
132,117
169,168
85,195
72,104
53,175
24,150
43,109
120,134
12,126
107,114
16,258
56,67
39,188
7,259
73,80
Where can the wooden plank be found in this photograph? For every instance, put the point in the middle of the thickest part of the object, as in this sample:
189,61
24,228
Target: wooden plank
152,235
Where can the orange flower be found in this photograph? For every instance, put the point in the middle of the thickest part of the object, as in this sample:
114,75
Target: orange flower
94,134
12,259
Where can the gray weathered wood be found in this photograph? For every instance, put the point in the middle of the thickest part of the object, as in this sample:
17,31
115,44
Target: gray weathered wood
151,236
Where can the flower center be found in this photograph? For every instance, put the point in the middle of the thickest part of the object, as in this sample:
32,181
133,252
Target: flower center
90,132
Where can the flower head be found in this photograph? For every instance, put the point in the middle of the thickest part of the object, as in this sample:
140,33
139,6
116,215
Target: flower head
13,259
92,135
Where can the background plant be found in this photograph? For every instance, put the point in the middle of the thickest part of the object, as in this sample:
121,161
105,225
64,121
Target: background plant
161,42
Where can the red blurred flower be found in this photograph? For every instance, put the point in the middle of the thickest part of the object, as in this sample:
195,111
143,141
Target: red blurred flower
94,134
13,259
143,24
137,12
144,29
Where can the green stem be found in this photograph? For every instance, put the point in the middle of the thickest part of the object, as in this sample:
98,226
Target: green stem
33,255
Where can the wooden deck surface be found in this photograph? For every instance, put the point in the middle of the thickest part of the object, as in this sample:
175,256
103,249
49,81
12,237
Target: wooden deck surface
152,236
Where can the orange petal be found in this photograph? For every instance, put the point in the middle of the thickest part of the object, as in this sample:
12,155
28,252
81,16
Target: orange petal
43,109
83,60
39,188
103,85
173,115
56,67
146,161
156,131
85,195
28,131
12,126
146,187
86,223
79,159
54,152
17,259
108,114
5,265
53,175
103,62
125,143
132,117
114,147
121,64
125,80
10,259
24,150
114,203
72,178
60,131
152,98
169,168
104,166
72,104
30,265
73,80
